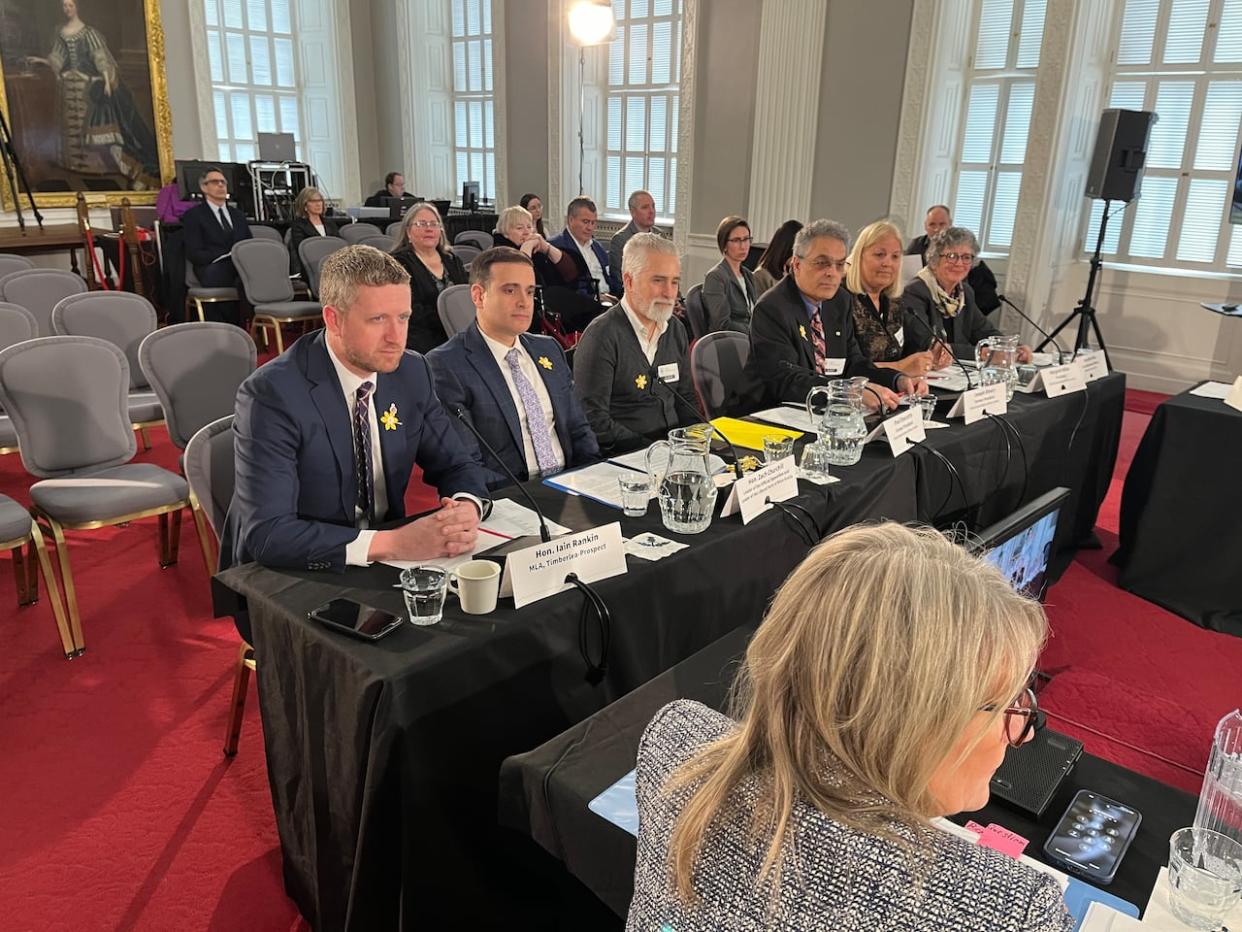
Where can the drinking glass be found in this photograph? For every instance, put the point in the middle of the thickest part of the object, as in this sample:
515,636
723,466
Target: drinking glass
635,494
928,404
815,461
424,588
1205,876
777,448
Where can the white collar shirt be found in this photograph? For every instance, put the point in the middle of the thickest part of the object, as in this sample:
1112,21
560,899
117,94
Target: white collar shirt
592,261
527,367
356,551
649,347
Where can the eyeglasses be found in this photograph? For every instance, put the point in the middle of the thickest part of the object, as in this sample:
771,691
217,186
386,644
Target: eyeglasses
1022,718
740,239
958,257
822,265
213,181
426,224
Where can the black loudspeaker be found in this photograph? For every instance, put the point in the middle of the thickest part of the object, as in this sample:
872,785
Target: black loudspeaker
1120,154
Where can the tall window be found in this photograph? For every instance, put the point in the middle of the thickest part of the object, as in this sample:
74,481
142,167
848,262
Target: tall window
254,74
644,75
474,139
1000,93
1183,60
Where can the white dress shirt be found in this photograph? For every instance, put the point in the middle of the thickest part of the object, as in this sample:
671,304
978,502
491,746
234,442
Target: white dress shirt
593,266
639,324
527,365
356,551
319,228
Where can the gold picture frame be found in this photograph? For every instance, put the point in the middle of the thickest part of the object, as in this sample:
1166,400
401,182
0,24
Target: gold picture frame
109,164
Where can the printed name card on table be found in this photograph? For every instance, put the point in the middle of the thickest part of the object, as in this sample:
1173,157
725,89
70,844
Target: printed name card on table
1233,397
539,571
904,430
1093,363
1062,380
752,494
977,403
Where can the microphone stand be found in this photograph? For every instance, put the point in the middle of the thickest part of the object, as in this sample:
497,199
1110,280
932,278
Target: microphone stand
13,167
937,338
1048,337
526,540
697,413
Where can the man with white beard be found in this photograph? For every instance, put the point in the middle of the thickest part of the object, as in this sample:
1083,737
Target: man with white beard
633,361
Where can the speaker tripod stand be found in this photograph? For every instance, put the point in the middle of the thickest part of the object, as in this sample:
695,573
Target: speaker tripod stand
1084,313
13,173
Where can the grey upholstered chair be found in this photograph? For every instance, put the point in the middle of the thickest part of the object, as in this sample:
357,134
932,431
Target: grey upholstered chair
195,370
263,267
456,309
357,232
696,314
312,251
18,530
10,263
199,294
209,468
262,231
717,362
74,434
16,324
474,238
394,231
40,290
122,319
467,253
379,241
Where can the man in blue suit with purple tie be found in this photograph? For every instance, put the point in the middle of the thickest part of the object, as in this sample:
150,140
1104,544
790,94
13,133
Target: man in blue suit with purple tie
327,434
515,387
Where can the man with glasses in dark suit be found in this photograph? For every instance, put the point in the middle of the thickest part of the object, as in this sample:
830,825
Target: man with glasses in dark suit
210,229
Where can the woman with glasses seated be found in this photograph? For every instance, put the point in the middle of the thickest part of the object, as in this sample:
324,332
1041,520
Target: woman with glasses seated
881,692
308,221
729,293
515,227
944,301
873,279
433,266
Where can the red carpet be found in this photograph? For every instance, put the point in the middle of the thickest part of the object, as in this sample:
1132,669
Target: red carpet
121,813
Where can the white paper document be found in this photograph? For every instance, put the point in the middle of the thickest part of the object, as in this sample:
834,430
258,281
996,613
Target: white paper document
507,521
795,418
598,481
637,459
1212,390
951,379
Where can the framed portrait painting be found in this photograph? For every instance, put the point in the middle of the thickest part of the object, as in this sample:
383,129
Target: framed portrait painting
85,96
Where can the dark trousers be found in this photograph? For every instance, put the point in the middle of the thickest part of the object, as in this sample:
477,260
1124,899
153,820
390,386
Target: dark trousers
220,275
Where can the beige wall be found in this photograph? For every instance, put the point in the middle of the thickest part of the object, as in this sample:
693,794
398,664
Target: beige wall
526,84
179,68
859,106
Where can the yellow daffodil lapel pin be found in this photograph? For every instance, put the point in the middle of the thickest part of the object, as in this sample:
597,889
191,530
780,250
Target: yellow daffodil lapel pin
641,382
802,330
545,362
389,418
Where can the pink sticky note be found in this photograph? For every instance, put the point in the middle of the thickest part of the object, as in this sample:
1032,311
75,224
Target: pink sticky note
975,827
1001,839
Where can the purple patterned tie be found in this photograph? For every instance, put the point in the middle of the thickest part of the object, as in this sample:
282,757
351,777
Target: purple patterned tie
540,437
362,450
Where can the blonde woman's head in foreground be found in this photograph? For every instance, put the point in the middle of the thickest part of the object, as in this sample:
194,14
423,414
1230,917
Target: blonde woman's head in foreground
874,690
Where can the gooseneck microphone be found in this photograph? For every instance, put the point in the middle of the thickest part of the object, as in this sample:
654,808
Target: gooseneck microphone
544,534
937,338
697,413
1040,330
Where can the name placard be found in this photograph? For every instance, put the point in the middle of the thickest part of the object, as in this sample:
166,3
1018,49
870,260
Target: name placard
1061,380
1233,397
539,571
904,430
980,402
752,494
1093,364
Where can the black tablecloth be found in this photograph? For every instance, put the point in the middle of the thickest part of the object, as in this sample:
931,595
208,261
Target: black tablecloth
1181,513
384,758
545,792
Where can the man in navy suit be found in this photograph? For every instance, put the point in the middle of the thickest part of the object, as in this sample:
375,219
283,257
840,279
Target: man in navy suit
515,387
577,240
327,434
210,230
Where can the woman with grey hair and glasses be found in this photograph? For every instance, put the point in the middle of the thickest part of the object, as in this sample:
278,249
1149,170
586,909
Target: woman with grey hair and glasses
940,297
424,252
881,692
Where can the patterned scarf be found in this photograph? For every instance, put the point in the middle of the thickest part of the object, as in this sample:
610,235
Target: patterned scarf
949,305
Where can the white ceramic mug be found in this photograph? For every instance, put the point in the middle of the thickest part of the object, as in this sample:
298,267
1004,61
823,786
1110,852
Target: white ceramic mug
476,584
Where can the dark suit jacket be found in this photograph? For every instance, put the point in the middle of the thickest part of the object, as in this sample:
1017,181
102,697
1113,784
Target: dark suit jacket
301,229
981,278
467,375
206,241
782,354
293,501
426,332
961,332
723,301
565,242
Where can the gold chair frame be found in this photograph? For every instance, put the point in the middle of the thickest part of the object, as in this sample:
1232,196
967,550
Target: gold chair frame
237,707
265,322
27,577
169,542
199,302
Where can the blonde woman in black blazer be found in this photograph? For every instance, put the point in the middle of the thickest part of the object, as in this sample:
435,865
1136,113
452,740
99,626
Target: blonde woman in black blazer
729,291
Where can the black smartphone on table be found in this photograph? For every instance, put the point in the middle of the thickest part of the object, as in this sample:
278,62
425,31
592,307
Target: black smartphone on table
355,619
1093,836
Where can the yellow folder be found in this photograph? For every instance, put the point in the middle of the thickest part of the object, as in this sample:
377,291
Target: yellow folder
749,435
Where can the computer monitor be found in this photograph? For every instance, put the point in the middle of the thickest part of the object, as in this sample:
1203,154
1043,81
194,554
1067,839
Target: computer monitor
397,206
470,195
277,147
1020,545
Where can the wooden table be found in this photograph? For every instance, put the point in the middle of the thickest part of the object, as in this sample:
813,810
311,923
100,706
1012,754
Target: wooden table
54,237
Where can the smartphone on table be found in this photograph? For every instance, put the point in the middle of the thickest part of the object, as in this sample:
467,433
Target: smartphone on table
356,619
1093,836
